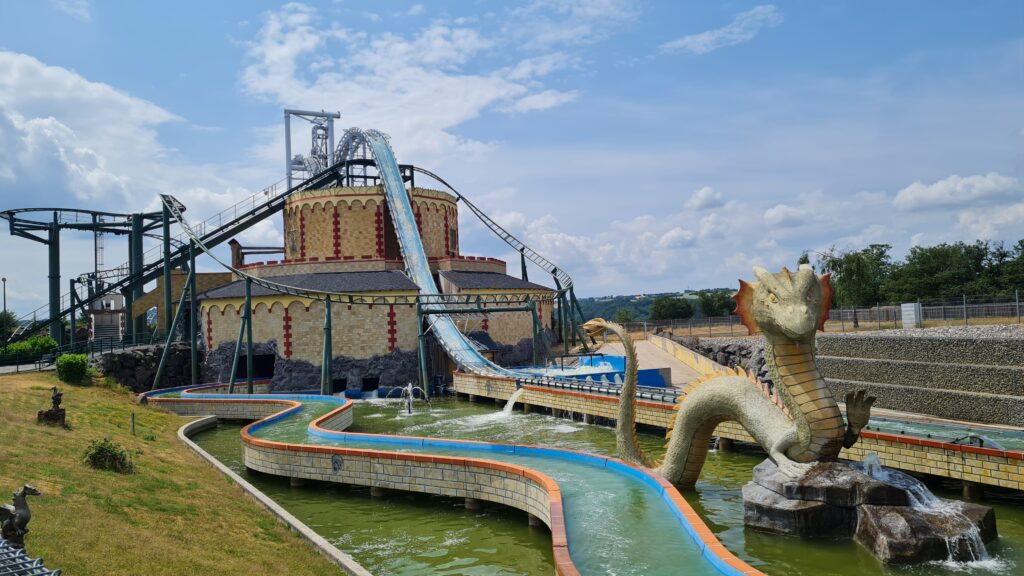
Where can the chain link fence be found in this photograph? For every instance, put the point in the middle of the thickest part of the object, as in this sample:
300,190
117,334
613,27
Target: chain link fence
955,311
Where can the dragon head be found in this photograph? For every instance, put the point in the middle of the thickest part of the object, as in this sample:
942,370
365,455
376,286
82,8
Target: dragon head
595,327
793,305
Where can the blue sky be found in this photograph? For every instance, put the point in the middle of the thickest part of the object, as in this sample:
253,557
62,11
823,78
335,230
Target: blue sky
644,146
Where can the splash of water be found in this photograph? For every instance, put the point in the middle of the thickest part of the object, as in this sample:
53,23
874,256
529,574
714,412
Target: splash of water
921,498
511,404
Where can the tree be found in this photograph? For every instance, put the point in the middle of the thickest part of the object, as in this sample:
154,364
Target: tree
804,259
622,316
669,308
8,324
716,302
946,270
857,276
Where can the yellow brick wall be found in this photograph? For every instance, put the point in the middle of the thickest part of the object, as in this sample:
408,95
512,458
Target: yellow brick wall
309,217
358,331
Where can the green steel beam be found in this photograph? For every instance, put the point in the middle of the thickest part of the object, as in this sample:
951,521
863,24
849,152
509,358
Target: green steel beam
234,359
422,349
56,329
170,336
192,316
248,334
167,268
326,384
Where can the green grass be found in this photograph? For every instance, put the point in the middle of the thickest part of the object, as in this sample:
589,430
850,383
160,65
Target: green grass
175,515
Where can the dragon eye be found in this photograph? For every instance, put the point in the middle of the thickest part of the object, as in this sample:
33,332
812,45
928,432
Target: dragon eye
773,298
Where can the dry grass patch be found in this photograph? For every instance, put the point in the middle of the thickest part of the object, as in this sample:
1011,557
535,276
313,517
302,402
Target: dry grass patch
175,515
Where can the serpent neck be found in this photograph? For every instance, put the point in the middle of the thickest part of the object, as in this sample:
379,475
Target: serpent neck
794,371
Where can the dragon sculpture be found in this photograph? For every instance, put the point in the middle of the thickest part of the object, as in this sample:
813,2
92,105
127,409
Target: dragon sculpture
798,423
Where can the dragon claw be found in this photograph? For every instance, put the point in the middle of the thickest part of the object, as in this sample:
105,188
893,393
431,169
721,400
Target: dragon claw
793,470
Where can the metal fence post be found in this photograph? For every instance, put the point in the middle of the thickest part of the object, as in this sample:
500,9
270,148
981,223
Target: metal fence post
965,309
1016,299
878,314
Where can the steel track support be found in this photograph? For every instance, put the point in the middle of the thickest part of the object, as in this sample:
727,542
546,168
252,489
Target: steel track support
422,350
326,384
248,334
56,328
533,315
170,336
192,313
234,358
167,268
71,332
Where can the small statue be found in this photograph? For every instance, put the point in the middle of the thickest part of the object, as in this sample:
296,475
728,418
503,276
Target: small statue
14,517
55,415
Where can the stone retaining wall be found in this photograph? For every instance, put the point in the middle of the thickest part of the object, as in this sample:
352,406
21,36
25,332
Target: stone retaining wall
994,351
135,368
1008,380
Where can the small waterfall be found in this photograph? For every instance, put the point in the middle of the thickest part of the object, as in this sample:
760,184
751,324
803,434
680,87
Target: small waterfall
511,404
921,498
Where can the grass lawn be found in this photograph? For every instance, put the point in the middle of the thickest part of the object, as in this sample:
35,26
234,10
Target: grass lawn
174,515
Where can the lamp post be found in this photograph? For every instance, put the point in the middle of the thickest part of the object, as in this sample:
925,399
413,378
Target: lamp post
5,295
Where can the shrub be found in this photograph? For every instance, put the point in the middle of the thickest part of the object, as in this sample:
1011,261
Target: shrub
108,455
41,344
72,368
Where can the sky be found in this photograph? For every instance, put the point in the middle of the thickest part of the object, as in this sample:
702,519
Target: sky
642,146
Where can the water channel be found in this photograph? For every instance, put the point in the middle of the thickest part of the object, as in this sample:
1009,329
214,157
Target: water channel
415,534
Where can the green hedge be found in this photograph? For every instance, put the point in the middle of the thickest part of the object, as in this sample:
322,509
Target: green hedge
29,350
72,368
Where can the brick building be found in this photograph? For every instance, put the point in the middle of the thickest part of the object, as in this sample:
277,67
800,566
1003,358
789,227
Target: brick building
342,239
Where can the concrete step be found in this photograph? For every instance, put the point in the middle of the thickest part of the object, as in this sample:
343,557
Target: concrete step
1003,380
986,351
952,404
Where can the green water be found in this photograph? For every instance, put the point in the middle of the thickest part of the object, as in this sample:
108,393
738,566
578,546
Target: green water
407,534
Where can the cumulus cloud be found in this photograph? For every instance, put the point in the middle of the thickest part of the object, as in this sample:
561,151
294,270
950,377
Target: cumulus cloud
415,10
959,191
676,238
743,28
415,87
706,197
784,215
992,223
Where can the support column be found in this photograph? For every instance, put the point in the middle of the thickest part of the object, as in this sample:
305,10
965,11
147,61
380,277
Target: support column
474,505
378,492
422,345
248,335
536,346
971,491
56,328
71,299
192,313
134,290
725,444
167,269
326,384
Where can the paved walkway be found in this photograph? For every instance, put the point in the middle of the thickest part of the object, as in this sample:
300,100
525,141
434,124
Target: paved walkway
651,356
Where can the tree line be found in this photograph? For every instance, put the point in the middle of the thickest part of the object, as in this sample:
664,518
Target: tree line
869,275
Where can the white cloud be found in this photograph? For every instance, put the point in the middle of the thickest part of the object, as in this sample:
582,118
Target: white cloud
743,28
676,238
79,9
542,24
784,215
957,191
415,87
706,197
992,223
415,10
541,101
712,226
